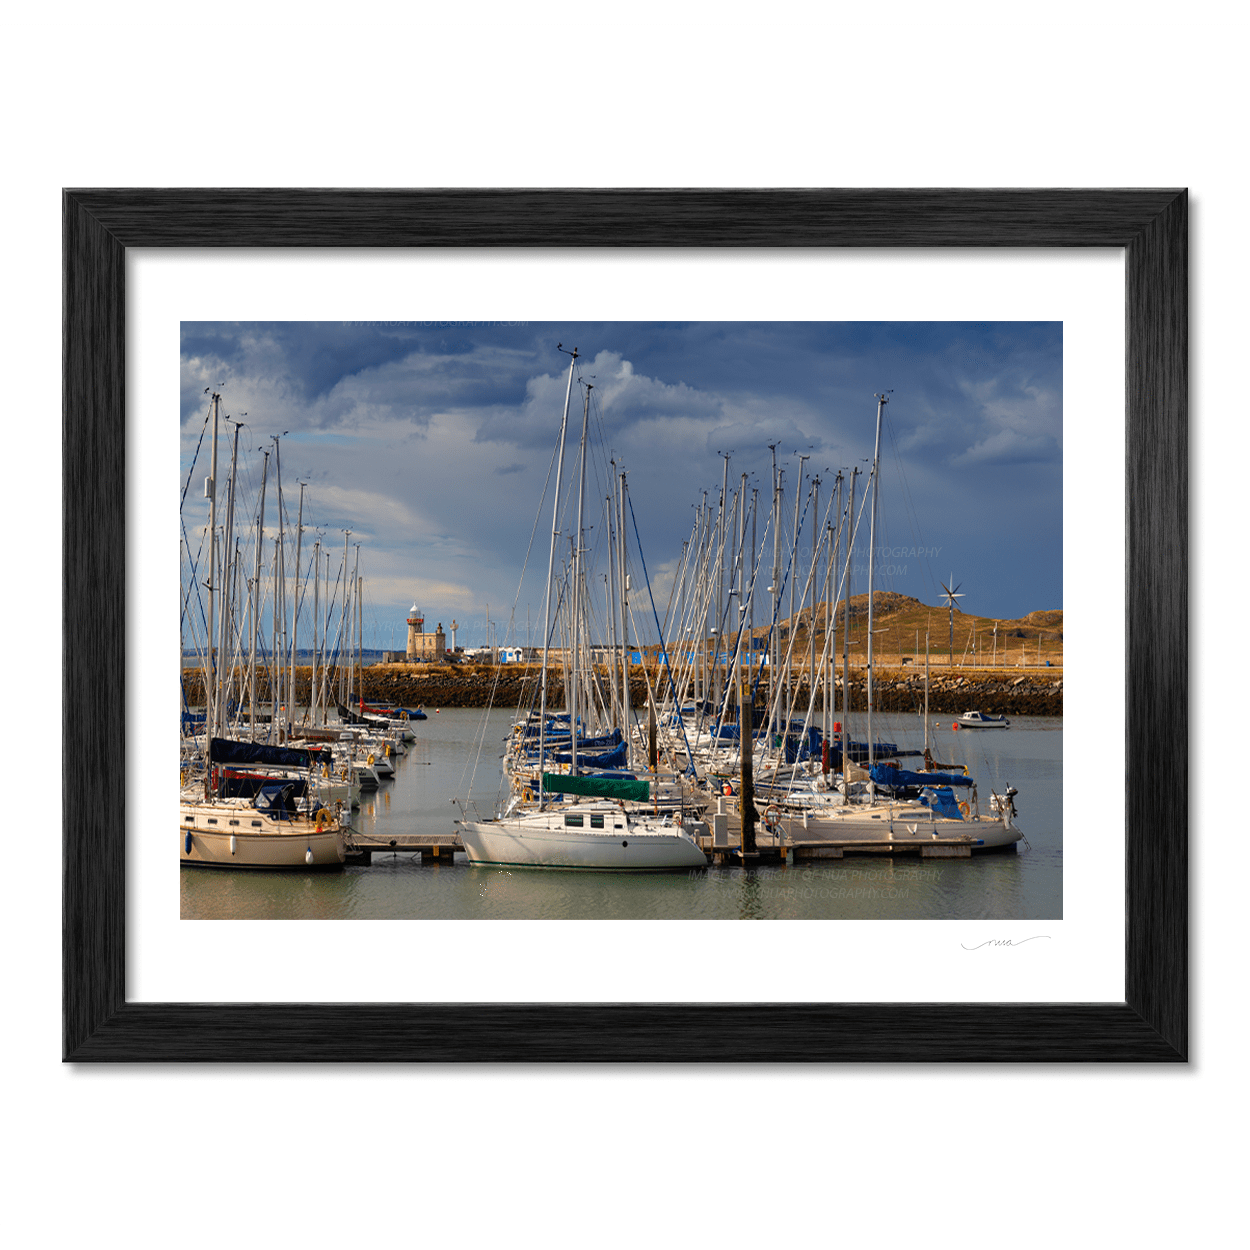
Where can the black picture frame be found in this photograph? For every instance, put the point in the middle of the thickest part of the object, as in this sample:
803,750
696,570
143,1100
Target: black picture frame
1151,1024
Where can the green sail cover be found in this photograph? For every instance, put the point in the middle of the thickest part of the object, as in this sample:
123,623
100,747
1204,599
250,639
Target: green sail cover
600,787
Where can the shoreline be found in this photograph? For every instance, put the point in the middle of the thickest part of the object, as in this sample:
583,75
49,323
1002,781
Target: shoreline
998,692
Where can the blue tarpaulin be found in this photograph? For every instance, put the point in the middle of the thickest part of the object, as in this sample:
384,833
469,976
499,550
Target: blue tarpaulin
942,801
609,759
900,779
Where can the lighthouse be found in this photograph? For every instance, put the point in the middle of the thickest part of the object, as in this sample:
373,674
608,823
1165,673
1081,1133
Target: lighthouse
416,627
423,647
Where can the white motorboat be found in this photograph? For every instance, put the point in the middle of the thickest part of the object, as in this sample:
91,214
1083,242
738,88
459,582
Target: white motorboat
979,720
596,835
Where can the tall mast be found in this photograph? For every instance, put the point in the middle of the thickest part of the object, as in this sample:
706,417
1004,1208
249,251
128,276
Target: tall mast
279,641
702,573
882,400
846,629
794,568
299,538
551,561
312,676
817,535
755,503
926,689
210,714
260,534
775,588
626,704
342,647
274,660
223,649
617,718
355,640
576,598
717,640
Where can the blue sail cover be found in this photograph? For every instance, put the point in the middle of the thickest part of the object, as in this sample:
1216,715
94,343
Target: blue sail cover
225,751
609,759
941,799
858,751
900,779
561,738
277,800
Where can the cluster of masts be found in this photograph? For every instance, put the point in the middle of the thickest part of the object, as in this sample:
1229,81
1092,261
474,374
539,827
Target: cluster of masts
251,632
735,570
596,787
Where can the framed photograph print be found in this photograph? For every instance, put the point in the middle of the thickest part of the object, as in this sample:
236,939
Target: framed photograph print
651,239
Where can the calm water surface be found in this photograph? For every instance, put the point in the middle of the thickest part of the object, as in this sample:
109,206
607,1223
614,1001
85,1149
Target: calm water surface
439,769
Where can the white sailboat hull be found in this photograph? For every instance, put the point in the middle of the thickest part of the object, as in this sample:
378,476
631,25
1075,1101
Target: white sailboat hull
906,825
523,842
239,837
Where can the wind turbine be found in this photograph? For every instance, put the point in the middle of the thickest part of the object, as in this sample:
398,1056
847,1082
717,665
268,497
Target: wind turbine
951,596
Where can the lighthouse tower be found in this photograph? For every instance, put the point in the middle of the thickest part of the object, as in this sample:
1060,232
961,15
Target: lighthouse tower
416,628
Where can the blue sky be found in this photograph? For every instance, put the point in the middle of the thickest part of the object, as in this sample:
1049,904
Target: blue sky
432,443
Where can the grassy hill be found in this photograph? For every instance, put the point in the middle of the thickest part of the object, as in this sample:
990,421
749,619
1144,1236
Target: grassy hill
901,623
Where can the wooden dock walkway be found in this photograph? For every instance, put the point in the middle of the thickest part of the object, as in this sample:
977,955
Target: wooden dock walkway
793,841
434,848
720,839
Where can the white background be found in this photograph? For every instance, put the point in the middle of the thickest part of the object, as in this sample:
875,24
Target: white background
1082,959
955,95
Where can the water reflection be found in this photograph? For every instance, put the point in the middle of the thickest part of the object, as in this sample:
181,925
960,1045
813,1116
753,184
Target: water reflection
399,886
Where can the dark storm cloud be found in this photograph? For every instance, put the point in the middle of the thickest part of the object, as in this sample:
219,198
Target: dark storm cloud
405,431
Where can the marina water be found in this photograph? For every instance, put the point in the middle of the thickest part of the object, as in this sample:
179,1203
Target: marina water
439,768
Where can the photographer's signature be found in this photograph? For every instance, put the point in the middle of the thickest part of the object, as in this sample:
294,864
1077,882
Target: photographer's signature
1005,941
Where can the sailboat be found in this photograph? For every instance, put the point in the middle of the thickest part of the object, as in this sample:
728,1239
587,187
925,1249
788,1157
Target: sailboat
586,825
269,829
901,805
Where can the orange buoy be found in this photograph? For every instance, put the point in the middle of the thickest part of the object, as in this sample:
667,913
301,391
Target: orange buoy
728,789
955,726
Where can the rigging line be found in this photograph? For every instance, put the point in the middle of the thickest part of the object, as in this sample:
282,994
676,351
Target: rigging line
777,607
735,667
741,619
663,646
195,457
193,579
475,758
481,733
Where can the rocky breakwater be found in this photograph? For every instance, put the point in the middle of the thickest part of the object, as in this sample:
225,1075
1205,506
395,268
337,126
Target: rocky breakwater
1000,693
468,685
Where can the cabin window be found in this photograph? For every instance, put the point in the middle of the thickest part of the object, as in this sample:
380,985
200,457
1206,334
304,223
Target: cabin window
620,826
190,820
574,822
256,824
234,822
596,822
212,820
